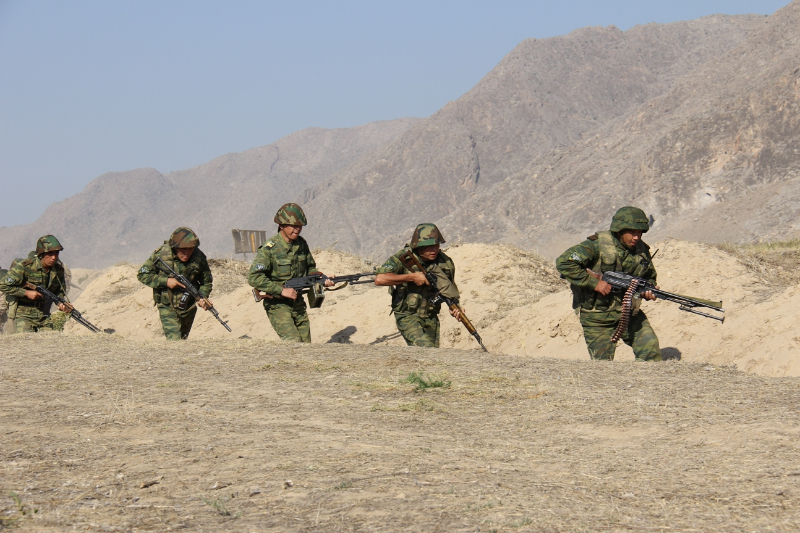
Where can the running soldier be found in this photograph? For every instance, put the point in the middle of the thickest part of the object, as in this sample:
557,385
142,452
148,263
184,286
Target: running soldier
32,309
416,317
620,249
176,308
285,256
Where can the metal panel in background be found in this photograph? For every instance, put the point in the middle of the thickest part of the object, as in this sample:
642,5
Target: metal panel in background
248,240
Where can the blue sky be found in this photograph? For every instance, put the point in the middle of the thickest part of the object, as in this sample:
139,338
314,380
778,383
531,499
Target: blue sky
92,86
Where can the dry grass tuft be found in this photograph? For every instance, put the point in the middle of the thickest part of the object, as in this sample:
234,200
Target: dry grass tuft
775,263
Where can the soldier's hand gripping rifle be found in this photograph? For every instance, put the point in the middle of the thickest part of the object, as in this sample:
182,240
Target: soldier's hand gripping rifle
620,282
74,313
410,261
314,285
189,288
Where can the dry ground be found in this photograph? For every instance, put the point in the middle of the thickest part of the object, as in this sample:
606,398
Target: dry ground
110,434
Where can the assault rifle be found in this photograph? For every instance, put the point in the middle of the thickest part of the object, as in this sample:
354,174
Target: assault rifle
314,285
620,282
75,314
410,261
190,289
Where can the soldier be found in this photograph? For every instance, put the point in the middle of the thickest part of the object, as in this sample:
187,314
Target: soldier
620,249
3,304
32,312
177,308
416,317
283,257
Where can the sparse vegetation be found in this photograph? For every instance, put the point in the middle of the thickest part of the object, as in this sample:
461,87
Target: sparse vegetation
58,319
421,384
775,262
218,504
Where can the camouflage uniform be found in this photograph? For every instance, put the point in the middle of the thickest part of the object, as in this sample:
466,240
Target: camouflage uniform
34,315
176,322
3,305
276,262
599,315
416,317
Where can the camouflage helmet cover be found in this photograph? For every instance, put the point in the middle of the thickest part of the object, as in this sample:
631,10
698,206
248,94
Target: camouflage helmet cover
291,214
184,238
426,235
48,243
630,218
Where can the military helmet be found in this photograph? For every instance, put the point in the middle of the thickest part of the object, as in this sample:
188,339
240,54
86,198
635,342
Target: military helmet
48,243
426,235
629,218
291,214
183,238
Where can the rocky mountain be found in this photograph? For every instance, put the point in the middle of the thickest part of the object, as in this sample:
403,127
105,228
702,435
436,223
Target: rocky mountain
715,158
125,215
694,121
542,99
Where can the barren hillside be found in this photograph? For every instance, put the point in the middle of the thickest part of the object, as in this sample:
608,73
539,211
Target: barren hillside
126,215
542,98
715,159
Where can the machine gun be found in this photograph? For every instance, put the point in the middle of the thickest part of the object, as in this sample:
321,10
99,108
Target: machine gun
74,313
621,282
410,261
190,289
314,286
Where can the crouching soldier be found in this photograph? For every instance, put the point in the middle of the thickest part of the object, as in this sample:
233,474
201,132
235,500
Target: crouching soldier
416,317
283,257
41,268
177,308
620,249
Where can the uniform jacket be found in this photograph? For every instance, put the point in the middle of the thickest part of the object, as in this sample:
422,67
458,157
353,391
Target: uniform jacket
31,270
278,261
196,270
602,252
408,298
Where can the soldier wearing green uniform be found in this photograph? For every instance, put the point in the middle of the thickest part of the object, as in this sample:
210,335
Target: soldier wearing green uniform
621,249
176,308
416,317
285,256
3,305
32,313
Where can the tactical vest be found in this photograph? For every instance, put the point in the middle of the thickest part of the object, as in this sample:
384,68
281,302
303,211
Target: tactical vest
409,298
608,259
52,281
191,270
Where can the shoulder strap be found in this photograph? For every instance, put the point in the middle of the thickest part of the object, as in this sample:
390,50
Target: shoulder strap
608,260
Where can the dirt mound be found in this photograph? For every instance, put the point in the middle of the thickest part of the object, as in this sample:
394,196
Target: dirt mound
516,300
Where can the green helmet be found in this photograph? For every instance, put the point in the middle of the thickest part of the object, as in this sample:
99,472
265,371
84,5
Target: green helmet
291,214
426,235
629,218
184,238
47,243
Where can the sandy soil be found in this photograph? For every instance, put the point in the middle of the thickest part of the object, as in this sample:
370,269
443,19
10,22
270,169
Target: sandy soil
514,298
111,434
